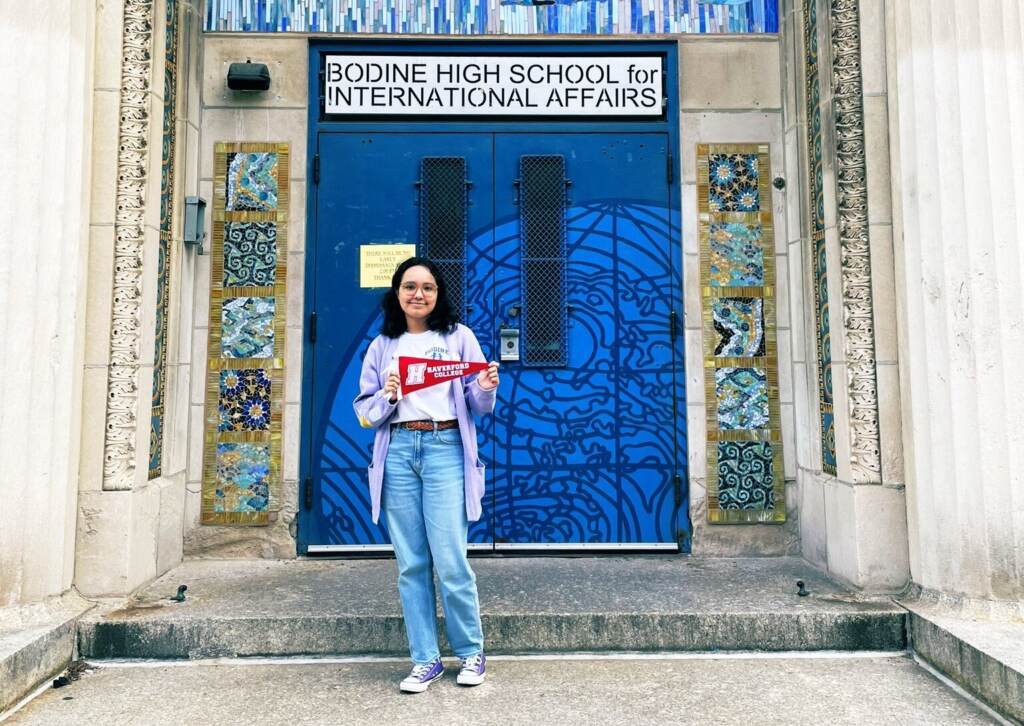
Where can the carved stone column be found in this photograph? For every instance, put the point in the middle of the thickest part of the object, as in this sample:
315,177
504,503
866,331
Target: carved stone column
853,514
119,447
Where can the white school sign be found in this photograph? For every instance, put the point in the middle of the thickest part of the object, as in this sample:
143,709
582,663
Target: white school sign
439,85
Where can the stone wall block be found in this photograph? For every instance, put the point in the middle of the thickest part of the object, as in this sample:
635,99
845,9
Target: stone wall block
171,523
294,344
696,436
286,58
694,365
883,291
795,209
102,543
254,124
742,74
98,295
788,441
807,421
297,216
290,443
296,275
103,175
872,46
876,152
107,60
198,380
196,437
890,424
797,311
692,302
813,544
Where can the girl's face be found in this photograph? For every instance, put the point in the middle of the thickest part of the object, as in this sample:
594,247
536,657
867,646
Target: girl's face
417,293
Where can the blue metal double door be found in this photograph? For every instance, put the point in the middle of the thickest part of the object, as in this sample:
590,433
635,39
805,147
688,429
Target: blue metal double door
561,251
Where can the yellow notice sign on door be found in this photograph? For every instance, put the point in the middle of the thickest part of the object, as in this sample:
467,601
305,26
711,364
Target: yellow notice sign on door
377,263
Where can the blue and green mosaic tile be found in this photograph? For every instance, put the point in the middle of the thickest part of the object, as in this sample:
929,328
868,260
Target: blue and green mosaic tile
742,395
244,400
737,256
739,325
732,183
252,182
482,17
828,441
746,478
247,327
243,473
250,253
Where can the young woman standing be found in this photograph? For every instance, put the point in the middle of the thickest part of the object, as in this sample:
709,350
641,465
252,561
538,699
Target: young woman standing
425,473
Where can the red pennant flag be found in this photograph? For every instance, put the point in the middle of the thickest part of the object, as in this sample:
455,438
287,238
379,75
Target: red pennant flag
417,373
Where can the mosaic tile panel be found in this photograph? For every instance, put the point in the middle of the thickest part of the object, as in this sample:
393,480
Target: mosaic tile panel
490,17
733,183
816,225
248,303
250,254
742,398
247,327
737,255
746,478
244,400
163,282
243,478
828,440
739,323
745,481
252,182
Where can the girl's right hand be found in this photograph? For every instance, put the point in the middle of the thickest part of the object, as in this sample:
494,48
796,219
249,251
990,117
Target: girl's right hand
392,386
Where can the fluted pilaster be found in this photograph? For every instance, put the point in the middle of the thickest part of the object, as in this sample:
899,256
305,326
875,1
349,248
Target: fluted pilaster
956,72
45,59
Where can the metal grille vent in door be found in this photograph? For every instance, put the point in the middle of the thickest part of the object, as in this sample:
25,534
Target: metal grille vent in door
443,222
542,219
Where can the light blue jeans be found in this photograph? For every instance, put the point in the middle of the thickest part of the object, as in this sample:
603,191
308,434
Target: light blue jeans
424,505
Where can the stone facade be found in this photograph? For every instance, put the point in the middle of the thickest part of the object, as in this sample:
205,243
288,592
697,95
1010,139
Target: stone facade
911,258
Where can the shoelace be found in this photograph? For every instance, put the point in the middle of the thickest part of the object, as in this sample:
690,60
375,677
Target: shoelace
421,670
471,663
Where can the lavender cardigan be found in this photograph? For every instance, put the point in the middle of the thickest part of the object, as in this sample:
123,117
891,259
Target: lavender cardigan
375,412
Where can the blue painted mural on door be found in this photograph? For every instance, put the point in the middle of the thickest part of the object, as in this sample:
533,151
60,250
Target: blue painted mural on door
587,452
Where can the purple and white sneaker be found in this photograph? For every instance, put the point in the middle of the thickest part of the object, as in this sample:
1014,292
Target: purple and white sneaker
473,670
422,676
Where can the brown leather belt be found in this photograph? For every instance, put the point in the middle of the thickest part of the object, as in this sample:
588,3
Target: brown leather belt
427,425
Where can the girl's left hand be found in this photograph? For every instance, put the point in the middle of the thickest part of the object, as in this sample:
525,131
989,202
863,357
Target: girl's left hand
488,380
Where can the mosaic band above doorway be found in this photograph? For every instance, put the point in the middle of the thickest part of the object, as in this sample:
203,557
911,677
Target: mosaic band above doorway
494,17
245,376
741,372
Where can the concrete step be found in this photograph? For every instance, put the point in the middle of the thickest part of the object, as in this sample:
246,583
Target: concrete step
529,605
36,643
982,653
848,689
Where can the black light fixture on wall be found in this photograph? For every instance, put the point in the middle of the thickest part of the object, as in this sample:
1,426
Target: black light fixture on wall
248,76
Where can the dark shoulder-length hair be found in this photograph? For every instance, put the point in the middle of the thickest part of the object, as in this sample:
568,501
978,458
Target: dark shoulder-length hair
442,319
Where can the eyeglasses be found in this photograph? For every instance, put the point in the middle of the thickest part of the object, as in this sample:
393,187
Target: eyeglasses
409,288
